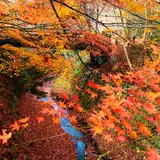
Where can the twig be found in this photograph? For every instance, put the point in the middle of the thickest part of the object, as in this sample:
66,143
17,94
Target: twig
64,30
86,15
126,144
40,139
126,54
136,15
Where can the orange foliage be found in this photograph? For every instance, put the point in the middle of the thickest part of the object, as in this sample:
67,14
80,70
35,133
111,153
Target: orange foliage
124,95
5,136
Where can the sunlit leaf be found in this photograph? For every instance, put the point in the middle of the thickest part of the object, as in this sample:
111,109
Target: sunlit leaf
5,136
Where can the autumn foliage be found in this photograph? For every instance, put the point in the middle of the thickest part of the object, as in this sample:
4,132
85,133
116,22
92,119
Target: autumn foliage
127,102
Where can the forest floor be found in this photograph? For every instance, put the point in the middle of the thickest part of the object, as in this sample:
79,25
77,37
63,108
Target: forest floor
43,139
40,140
46,140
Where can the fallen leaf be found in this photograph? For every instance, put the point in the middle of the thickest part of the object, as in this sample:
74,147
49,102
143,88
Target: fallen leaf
56,120
25,125
15,126
108,138
121,138
44,110
39,119
4,137
24,120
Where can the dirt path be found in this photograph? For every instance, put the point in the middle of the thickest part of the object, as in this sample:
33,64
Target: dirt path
46,140
49,140
52,142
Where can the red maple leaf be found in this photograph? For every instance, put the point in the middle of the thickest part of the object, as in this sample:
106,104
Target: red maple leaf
158,130
64,96
152,154
76,98
93,85
97,129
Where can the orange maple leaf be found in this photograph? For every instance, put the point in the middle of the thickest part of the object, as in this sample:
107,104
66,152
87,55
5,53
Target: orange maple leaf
73,119
62,104
108,138
144,129
133,134
121,138
56,120
97,129
105,78
127,125
25,125
118,89
107,89
71,104
15,126
44,110
24,120
92,94
78,107
39,119
155,49
4,137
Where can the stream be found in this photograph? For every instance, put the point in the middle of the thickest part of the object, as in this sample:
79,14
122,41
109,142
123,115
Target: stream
77,136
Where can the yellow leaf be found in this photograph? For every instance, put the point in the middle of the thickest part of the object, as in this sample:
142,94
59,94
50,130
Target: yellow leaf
97,129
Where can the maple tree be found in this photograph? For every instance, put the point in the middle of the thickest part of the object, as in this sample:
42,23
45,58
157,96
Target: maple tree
128,105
